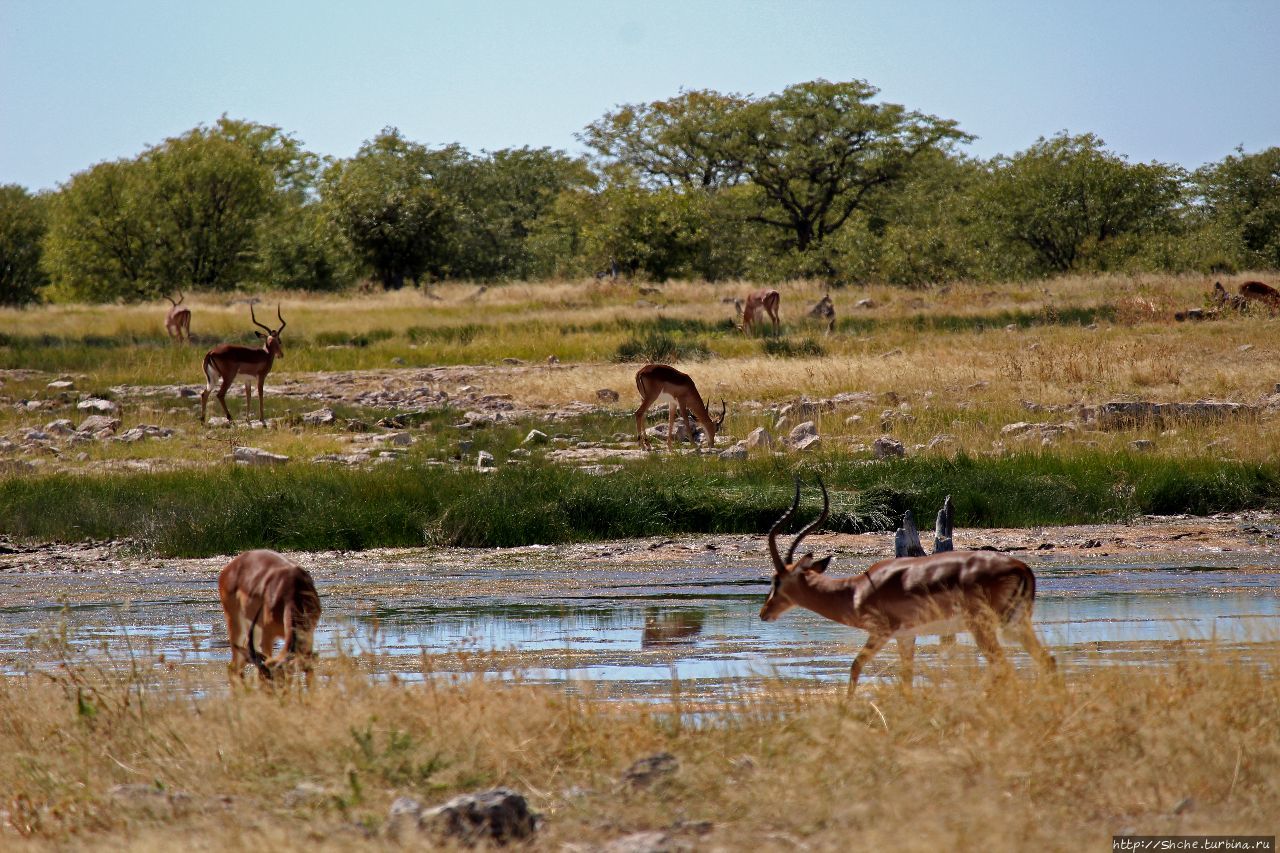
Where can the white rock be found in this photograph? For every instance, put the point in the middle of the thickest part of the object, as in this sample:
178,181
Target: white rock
535,436
257,456
96,405
802,431
484,459
759,438
62,426
395,439
738,451
61,385
320,417
808,443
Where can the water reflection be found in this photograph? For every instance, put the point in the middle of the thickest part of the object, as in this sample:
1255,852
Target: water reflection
670,627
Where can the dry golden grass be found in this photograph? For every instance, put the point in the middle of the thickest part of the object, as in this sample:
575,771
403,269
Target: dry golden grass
1191,745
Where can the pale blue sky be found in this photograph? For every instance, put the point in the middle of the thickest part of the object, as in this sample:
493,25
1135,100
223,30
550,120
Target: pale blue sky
85,81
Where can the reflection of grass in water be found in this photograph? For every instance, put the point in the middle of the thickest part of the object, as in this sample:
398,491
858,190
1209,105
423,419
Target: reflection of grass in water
1008,765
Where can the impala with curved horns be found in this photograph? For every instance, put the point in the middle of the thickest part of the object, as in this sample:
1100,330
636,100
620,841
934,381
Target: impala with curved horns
227,361
178,320
282,598
976,591
661,382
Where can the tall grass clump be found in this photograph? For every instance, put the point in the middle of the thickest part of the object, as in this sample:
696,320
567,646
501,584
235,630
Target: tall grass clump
655,346
141,759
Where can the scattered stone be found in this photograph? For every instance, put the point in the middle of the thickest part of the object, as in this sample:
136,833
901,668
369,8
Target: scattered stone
864,303
887,446
800,432
395,439
1142,445
599,470
397,360
808,444
99,426
647,842
37,435
1244,347
138,433
759,439
512,361
307,794
61,385
62,426
551,359
647,771
186,391
941,440
484,459
738,451
535,436
320,417
1122,414
607,395
94,404
356,425
256,456
519,453
853,420
891,353
496,816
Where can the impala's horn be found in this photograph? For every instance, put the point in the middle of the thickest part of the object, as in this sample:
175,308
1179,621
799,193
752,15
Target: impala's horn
254,317
777,525
826,507
281,319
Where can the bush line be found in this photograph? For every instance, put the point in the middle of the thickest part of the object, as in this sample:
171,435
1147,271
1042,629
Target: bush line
222,511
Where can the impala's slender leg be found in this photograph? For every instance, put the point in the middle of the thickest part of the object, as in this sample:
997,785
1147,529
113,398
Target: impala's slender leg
248,402
645,402
1025,633
906,661
261,416
981,622
239,652
671,421
875,643
222,395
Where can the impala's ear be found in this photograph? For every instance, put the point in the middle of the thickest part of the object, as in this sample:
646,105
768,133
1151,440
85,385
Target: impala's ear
259,334
818,566
804,563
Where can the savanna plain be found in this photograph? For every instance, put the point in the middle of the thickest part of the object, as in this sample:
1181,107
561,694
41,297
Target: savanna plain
400,463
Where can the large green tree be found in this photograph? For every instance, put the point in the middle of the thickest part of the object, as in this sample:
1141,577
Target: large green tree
22,227
386,201
819,151
1241,194
1069,202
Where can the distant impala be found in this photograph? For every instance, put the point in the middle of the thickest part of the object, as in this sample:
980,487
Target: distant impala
227,361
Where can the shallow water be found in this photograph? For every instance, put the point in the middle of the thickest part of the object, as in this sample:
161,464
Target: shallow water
612,617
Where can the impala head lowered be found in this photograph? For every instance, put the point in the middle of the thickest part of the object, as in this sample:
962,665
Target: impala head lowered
786,572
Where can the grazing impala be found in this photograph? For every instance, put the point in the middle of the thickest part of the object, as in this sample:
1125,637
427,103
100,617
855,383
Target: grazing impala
758,300
263,590
900,599
227,361
178,321
661,382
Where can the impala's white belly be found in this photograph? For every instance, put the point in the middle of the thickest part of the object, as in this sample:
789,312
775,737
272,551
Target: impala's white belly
664,397
954,625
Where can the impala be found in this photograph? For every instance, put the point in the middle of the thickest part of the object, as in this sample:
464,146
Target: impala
227,361
1250,292
278,597
663,383
900,599
757,300
178,320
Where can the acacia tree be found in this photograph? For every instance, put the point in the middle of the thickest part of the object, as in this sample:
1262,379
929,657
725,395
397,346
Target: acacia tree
1066,198
22,226
818,151
1242,194
386,201
673,143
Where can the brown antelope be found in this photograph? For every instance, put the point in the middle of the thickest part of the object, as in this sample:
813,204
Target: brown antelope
227,361
663,383
900,599
757,300
264,592
178,321
1251,292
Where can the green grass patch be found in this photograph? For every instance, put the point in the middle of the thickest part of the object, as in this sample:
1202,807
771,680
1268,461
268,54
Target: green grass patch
655,346
308,507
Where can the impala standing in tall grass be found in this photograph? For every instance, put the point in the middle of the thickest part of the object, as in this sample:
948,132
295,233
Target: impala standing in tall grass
976,591
757,301
178,321
266,590
227,361
660,382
